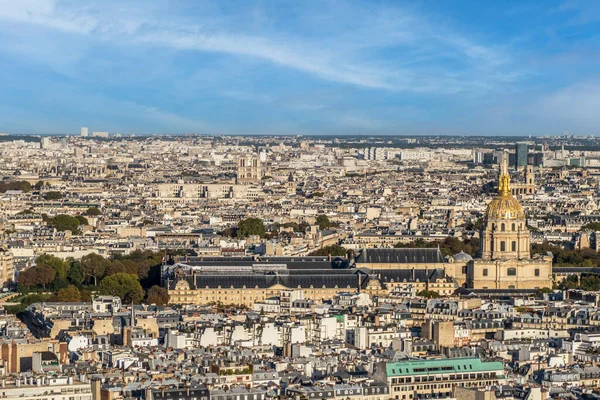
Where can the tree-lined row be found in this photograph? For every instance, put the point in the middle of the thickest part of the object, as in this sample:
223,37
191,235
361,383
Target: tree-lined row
72,280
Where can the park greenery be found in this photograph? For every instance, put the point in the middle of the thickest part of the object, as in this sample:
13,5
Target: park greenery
132,278
428,294
323,222
587,281
449,246
591,226
15,185
53,195
563,257
93,211
333,250
251,227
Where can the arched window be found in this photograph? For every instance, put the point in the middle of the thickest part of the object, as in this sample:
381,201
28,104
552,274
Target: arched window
502,227
513,227
511,272
511,286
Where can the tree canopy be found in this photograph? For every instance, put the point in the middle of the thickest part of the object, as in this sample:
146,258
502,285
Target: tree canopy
158,296
589,282
15,185
251,226
70,294
323,222
125,286
60,267
53,195
40,276
63,222
592,226
428,294
333,250
93,211
93,266
64,276
449,246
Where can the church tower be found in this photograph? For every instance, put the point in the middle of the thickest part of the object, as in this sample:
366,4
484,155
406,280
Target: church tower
505,233
504,262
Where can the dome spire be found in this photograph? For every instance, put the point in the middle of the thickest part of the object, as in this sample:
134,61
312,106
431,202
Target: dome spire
504,184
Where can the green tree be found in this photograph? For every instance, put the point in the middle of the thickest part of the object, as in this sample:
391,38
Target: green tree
125,286
65,222
15,185
74,275
333,250
251,226
591,226
93,266
158,296
60,266
53,195
70,294
428,294
93,211
40,275
82,220
323,222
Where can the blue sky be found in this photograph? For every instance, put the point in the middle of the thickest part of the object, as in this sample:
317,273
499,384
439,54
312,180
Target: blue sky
300,67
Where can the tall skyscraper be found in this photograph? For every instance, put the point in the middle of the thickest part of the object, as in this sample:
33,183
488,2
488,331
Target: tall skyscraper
84,131
521,153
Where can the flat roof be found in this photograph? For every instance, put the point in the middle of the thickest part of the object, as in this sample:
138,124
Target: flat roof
446,365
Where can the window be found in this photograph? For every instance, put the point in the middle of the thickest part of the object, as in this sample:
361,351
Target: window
513,246
503,246
513,227
485,272
511,286
537,272
511,272
502,227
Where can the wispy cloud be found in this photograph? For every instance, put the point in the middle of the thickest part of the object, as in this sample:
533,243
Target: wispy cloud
343,57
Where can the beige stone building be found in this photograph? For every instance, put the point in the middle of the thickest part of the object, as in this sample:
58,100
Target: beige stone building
505,261
6,266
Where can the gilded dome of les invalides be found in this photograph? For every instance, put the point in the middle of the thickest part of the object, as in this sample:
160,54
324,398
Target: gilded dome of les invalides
505,206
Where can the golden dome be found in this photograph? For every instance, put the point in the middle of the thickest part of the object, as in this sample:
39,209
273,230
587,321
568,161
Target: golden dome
505,206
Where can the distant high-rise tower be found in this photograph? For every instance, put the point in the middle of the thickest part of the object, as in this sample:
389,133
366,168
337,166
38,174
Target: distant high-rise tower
522,151
45,142
84,131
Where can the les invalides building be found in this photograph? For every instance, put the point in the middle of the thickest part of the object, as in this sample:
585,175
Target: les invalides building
505,260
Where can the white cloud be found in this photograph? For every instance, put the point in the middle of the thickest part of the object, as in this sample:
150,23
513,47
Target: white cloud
574,107
343,57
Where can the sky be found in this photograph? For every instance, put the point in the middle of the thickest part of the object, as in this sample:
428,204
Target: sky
432,67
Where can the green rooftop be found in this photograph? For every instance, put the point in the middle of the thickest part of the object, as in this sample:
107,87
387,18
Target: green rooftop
448,365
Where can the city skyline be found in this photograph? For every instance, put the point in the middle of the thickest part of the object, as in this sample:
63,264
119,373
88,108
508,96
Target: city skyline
331,68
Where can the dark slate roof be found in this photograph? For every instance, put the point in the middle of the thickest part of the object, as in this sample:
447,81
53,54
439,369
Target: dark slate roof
292,279
400,275
291,263
401,256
